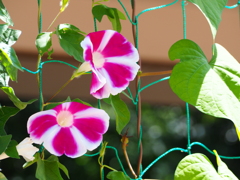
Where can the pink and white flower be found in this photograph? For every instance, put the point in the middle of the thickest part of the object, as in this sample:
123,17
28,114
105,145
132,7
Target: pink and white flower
112,60
70,128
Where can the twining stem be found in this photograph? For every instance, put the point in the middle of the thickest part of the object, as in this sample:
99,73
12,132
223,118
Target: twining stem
59,90
138,80
39,60
54,20
124,148
155,73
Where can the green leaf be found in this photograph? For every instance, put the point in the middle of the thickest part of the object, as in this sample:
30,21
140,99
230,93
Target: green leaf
9,60
70,38
50,54
64,169
64,4
113,14
5,114
29,163
4,141
117,175
7,35
11,150
198,167
44,42
213,88
212,10
4,15
99,11
121,111
48,169
19,104
223,170
2,177
4,77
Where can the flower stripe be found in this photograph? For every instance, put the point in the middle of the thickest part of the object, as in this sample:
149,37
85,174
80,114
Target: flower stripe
112,60
70,128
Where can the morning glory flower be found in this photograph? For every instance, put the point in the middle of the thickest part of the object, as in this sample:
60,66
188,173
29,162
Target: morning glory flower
70,128
112,60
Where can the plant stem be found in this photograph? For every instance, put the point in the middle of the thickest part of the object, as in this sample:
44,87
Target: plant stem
53,20
124,148
39,60
155,73
138,80
59,90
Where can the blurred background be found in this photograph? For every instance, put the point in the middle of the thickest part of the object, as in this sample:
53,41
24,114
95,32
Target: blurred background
163,113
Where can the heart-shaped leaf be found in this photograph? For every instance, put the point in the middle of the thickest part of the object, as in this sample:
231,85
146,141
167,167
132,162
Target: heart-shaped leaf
214,87
212,10
113,14
70,38
198,167
4,15
44,42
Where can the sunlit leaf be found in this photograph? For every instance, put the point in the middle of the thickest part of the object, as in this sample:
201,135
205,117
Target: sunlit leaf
2,177
223,170
7,35
198,167
121,111
63,4
213,87
4,141
70,38
19,104
212,10
9,60
4,15
4,77
117,175
44,42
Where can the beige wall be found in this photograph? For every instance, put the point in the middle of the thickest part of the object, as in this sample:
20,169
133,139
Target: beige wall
158,29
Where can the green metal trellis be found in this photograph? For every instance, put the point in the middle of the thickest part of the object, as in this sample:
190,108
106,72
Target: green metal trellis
135,23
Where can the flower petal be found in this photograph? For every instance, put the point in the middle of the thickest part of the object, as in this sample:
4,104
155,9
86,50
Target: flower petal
98,81
59,141
96,119
39,123
87,49
118,73
66,143
90,138
72,107
85,133
117,45
26,149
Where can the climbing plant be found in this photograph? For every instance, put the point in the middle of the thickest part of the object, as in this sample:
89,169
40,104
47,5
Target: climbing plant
74,128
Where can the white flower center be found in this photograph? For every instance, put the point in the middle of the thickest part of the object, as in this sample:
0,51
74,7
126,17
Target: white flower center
98,60
65,118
